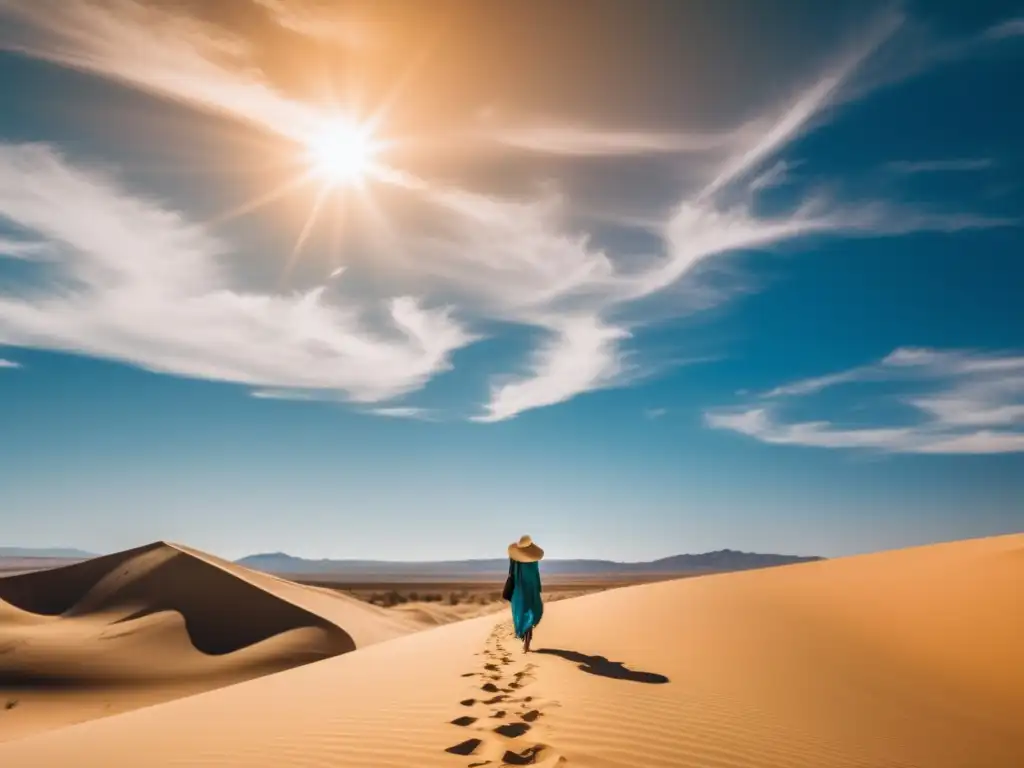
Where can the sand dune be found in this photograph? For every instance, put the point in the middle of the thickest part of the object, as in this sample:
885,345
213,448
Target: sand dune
156,623
909,658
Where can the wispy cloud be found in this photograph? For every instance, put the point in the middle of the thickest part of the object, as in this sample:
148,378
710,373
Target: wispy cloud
775,176
298,395
966,402
941,166
9,363
920,48
581,355
580,141
22,249
317,20
655,413
807,109
143,284
185,60
1006,29
583,351
416,414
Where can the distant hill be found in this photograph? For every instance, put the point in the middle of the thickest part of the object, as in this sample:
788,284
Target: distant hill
48,552
722,560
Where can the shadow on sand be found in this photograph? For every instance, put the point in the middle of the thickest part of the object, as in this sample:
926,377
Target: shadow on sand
599,665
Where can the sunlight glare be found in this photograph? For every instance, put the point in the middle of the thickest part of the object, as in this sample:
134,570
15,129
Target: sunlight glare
342,152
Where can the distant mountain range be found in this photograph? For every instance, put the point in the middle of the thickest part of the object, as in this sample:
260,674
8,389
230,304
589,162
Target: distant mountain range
280,562
722,560
52,552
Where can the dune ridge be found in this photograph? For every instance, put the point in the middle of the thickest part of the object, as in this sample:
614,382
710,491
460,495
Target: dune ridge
158,622
903,659
162,577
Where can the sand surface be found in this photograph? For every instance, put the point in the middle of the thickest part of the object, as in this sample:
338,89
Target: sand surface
156,623
907,658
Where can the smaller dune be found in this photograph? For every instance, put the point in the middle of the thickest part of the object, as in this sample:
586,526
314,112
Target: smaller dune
159,622
435,614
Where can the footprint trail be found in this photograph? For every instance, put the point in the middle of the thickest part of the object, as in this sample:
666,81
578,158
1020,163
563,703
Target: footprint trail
502,736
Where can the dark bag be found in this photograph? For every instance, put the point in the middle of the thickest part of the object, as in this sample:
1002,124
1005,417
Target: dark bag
510,583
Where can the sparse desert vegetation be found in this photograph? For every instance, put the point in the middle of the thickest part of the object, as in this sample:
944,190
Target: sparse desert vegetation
465,593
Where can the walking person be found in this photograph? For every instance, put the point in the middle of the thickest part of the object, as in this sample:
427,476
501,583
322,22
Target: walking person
523,588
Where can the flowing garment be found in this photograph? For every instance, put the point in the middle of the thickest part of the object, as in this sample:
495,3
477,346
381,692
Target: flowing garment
527,606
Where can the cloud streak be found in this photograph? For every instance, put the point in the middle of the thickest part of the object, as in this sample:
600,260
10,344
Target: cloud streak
965,402
579,141
141,283
1006,29
185,60
941,166
8,364
776,175
318,21
403,412
22,249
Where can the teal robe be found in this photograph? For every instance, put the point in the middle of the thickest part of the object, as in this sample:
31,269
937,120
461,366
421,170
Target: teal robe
527,606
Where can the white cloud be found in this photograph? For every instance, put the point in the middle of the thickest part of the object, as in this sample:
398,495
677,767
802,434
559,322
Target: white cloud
404,412
298,395
655,413
776,175
144,285
802,113
967,402
580,355
9,363
22,249
317,20
1006,29
758,423
185,60
582,141
941,166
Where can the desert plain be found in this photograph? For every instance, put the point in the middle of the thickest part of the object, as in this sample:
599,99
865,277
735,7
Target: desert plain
167,656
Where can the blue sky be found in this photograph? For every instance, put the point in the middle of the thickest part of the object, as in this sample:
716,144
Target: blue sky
636,278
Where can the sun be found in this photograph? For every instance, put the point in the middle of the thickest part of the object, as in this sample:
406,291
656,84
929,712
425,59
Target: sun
342,152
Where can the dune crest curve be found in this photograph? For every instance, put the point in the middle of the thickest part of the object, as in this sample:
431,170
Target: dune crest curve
155,623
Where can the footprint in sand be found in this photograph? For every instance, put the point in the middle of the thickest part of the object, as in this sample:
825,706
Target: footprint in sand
512,730
498,740
538,753
465,748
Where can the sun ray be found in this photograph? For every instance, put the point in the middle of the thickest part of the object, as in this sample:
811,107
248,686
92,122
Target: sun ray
402,84
258,202
339,224
307,229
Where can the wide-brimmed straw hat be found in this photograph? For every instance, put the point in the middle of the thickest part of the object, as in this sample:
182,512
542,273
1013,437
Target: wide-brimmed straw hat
525,551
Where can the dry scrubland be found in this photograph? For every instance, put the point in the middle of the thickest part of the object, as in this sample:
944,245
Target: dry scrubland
463,595
165,655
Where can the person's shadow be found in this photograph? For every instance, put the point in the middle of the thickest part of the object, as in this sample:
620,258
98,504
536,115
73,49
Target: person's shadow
599,665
